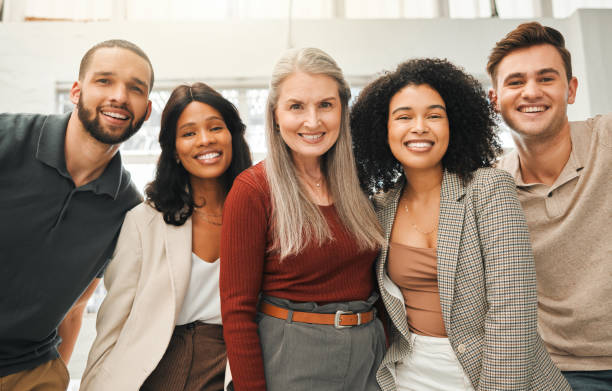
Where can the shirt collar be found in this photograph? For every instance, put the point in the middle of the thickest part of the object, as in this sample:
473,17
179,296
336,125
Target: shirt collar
50,150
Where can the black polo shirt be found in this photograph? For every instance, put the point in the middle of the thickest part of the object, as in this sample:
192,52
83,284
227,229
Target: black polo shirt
55,238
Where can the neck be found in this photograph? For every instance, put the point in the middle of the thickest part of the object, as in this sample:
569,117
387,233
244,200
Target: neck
86,157
422,184
542,160
208,193
309,168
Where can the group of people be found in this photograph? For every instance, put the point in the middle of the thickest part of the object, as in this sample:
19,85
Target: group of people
384,246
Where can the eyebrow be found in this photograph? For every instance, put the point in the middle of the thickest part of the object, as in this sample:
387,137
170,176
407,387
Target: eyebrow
294,100
109,73
410,108
212,117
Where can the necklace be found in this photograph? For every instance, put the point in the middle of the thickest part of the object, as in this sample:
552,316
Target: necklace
205,216
417,228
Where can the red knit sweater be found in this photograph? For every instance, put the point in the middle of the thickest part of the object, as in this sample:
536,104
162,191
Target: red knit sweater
334,272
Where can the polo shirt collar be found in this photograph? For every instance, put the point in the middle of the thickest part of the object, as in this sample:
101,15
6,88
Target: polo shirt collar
50,150
578,155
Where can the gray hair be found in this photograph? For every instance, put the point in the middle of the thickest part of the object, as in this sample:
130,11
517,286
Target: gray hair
297,220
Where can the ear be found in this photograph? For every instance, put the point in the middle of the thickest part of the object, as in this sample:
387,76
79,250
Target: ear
149,109
572,88
75,92
493,99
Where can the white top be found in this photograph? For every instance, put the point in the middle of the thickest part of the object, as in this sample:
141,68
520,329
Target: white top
202,301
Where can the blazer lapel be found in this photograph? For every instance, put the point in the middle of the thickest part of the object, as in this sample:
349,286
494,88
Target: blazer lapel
178,250
386,215
450,227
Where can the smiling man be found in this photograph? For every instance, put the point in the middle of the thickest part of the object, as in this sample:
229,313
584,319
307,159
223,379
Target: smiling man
63,195
563,173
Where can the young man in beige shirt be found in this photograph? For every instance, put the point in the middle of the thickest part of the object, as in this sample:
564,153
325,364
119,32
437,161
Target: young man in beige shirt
563,173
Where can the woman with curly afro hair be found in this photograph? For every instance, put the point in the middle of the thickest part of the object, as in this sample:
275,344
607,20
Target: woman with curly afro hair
457,275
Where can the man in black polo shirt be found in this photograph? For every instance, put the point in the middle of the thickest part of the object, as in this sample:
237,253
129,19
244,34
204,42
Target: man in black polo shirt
63,195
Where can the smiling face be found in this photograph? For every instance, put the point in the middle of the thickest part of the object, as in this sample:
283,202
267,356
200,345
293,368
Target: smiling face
203,141
418,129
308,114
532,91
112,97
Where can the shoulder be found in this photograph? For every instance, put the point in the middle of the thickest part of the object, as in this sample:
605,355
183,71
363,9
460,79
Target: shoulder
20,127
490,182
601,126
253,180
128,193
143,215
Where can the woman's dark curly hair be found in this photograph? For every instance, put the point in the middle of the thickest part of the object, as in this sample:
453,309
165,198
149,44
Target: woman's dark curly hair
473,141
170,190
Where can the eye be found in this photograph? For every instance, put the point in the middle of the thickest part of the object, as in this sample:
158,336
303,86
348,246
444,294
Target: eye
404,117
547,79
436,116
515,82
326,105
136,89
216,128
103,81
295,106
187,133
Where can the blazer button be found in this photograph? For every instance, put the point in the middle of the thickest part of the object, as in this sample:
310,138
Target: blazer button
461,348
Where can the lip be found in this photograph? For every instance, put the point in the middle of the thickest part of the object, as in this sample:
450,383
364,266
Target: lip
208,156
312,138
115,116
419,145
532,109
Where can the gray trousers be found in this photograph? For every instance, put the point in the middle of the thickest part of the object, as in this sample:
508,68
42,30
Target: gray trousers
302,356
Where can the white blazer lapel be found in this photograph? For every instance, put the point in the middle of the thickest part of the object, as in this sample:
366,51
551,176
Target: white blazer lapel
178,250
450,228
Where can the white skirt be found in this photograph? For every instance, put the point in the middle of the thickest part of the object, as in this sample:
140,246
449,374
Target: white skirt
432,365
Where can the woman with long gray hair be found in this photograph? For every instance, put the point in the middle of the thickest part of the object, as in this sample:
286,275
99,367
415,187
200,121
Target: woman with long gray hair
299,240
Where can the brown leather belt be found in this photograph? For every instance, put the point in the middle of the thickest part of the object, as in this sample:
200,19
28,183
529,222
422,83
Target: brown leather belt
340,320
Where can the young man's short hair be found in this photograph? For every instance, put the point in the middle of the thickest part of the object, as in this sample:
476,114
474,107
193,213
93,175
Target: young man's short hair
524,36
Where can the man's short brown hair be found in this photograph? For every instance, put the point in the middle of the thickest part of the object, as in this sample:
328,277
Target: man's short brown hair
524,36
115,43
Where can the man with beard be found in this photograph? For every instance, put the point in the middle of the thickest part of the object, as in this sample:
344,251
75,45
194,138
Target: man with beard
63,195
564,182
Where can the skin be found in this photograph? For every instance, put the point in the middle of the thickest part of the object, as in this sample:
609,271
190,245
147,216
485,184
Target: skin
532,93
308,114
108,84
116,83
204,148
418,136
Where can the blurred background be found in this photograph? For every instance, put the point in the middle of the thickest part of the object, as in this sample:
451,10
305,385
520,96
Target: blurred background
233,44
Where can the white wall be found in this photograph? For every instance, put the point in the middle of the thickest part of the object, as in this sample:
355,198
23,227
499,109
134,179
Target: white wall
36,57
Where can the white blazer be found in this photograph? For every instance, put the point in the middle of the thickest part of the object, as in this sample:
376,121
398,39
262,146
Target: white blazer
146,280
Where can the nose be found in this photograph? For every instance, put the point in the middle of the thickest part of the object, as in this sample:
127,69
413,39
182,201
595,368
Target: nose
419,125
119,93
531,90
312,118
205,137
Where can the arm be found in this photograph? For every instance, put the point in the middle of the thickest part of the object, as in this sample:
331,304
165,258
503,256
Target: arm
121,279
71,325
511,320
243,245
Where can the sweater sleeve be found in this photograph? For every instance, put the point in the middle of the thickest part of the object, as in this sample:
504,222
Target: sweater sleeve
243,246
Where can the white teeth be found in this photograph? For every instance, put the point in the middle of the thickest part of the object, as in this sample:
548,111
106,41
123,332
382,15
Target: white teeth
419,144
312,136
210,155
533,109
114,115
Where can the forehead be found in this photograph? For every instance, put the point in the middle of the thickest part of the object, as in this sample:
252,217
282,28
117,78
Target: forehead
302,85
415,96
198,111
529,60
120,61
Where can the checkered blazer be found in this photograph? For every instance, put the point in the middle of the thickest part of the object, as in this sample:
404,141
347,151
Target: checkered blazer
486,279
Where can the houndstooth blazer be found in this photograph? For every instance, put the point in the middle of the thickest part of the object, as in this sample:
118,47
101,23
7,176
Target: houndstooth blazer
486,279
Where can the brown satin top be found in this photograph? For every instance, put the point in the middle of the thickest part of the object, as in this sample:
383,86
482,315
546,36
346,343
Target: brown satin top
414,271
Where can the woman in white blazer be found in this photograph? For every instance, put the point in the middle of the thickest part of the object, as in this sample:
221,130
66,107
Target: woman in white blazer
159,327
